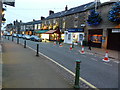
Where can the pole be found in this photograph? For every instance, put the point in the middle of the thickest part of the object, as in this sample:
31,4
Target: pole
8,37
12,38
37,54
77,74
17,40
25,44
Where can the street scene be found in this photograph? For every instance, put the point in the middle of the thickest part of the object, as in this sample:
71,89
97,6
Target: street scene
76,48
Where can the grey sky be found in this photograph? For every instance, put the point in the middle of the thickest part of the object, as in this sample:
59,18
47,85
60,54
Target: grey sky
27,10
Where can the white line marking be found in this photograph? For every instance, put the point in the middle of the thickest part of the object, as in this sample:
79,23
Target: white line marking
94,59
92,86
116,61
108,64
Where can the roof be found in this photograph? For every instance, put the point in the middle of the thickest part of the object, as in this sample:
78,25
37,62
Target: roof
72,10
32,22
50,31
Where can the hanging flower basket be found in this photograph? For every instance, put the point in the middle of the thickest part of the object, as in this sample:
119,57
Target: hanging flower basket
94,18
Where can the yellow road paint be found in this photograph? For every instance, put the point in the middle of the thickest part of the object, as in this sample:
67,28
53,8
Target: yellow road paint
92,86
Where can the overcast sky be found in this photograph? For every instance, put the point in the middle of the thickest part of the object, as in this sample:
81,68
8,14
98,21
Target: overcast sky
27,10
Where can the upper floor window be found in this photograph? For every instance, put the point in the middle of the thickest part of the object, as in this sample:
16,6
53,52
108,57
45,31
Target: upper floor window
75,23
36,26
39,26
54,21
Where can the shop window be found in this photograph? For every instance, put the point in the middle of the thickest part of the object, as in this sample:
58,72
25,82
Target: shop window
81,37
96,38
69,36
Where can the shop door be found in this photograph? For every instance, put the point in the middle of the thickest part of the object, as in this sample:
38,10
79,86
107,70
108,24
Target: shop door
113,40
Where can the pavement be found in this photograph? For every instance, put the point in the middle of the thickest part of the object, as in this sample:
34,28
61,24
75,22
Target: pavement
22,69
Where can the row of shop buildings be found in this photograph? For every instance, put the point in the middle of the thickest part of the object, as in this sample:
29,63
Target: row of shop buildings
71,26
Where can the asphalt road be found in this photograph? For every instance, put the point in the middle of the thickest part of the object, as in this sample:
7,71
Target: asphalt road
93,69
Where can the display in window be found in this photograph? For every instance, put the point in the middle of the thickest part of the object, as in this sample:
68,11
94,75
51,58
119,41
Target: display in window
96,38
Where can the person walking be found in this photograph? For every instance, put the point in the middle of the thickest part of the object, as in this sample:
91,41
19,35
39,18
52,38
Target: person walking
89,44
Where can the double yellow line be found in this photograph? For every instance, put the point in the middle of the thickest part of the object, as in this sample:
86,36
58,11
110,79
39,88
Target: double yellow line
89,84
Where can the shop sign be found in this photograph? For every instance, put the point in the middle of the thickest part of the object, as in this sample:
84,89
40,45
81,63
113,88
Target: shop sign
76,30
115,30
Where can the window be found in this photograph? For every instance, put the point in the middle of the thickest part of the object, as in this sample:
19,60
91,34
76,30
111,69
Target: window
39,26
35,26
54,21
69,36
76,23
64,23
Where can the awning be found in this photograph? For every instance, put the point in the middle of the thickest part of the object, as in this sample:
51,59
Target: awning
51,31
41,31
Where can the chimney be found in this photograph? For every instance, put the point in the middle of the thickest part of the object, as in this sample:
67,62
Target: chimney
42,18
20,21
33,19
66,8
51,12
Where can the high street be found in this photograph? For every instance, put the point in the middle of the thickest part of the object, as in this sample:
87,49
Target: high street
93,69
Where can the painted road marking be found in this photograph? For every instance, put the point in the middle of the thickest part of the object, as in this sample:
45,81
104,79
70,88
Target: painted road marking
94,59
108,64
116,61
89,84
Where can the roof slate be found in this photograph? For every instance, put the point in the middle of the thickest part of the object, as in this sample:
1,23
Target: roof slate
72,10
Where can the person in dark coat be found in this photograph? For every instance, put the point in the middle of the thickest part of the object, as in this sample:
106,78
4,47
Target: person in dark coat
89,44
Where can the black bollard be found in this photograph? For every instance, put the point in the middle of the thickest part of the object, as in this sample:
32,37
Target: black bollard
37,53
77,74
25,44
12,38
17,40
8,37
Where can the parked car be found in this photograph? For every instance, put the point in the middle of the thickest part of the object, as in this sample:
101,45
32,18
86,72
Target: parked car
14,35
23,36
26,37
35,38
7,34
20,35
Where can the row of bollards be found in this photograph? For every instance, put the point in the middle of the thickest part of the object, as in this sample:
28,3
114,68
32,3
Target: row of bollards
77,73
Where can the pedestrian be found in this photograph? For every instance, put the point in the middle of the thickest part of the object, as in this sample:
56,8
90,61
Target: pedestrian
89,44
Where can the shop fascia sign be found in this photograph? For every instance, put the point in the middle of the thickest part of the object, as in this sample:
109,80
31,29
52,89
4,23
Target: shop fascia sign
9,2
116,30
76,30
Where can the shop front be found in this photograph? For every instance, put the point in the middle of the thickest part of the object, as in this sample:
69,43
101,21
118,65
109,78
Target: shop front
41,34
113,42
95,35
74,35
53,35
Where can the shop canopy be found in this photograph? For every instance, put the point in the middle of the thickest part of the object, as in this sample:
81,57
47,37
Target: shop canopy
51,32
41,31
